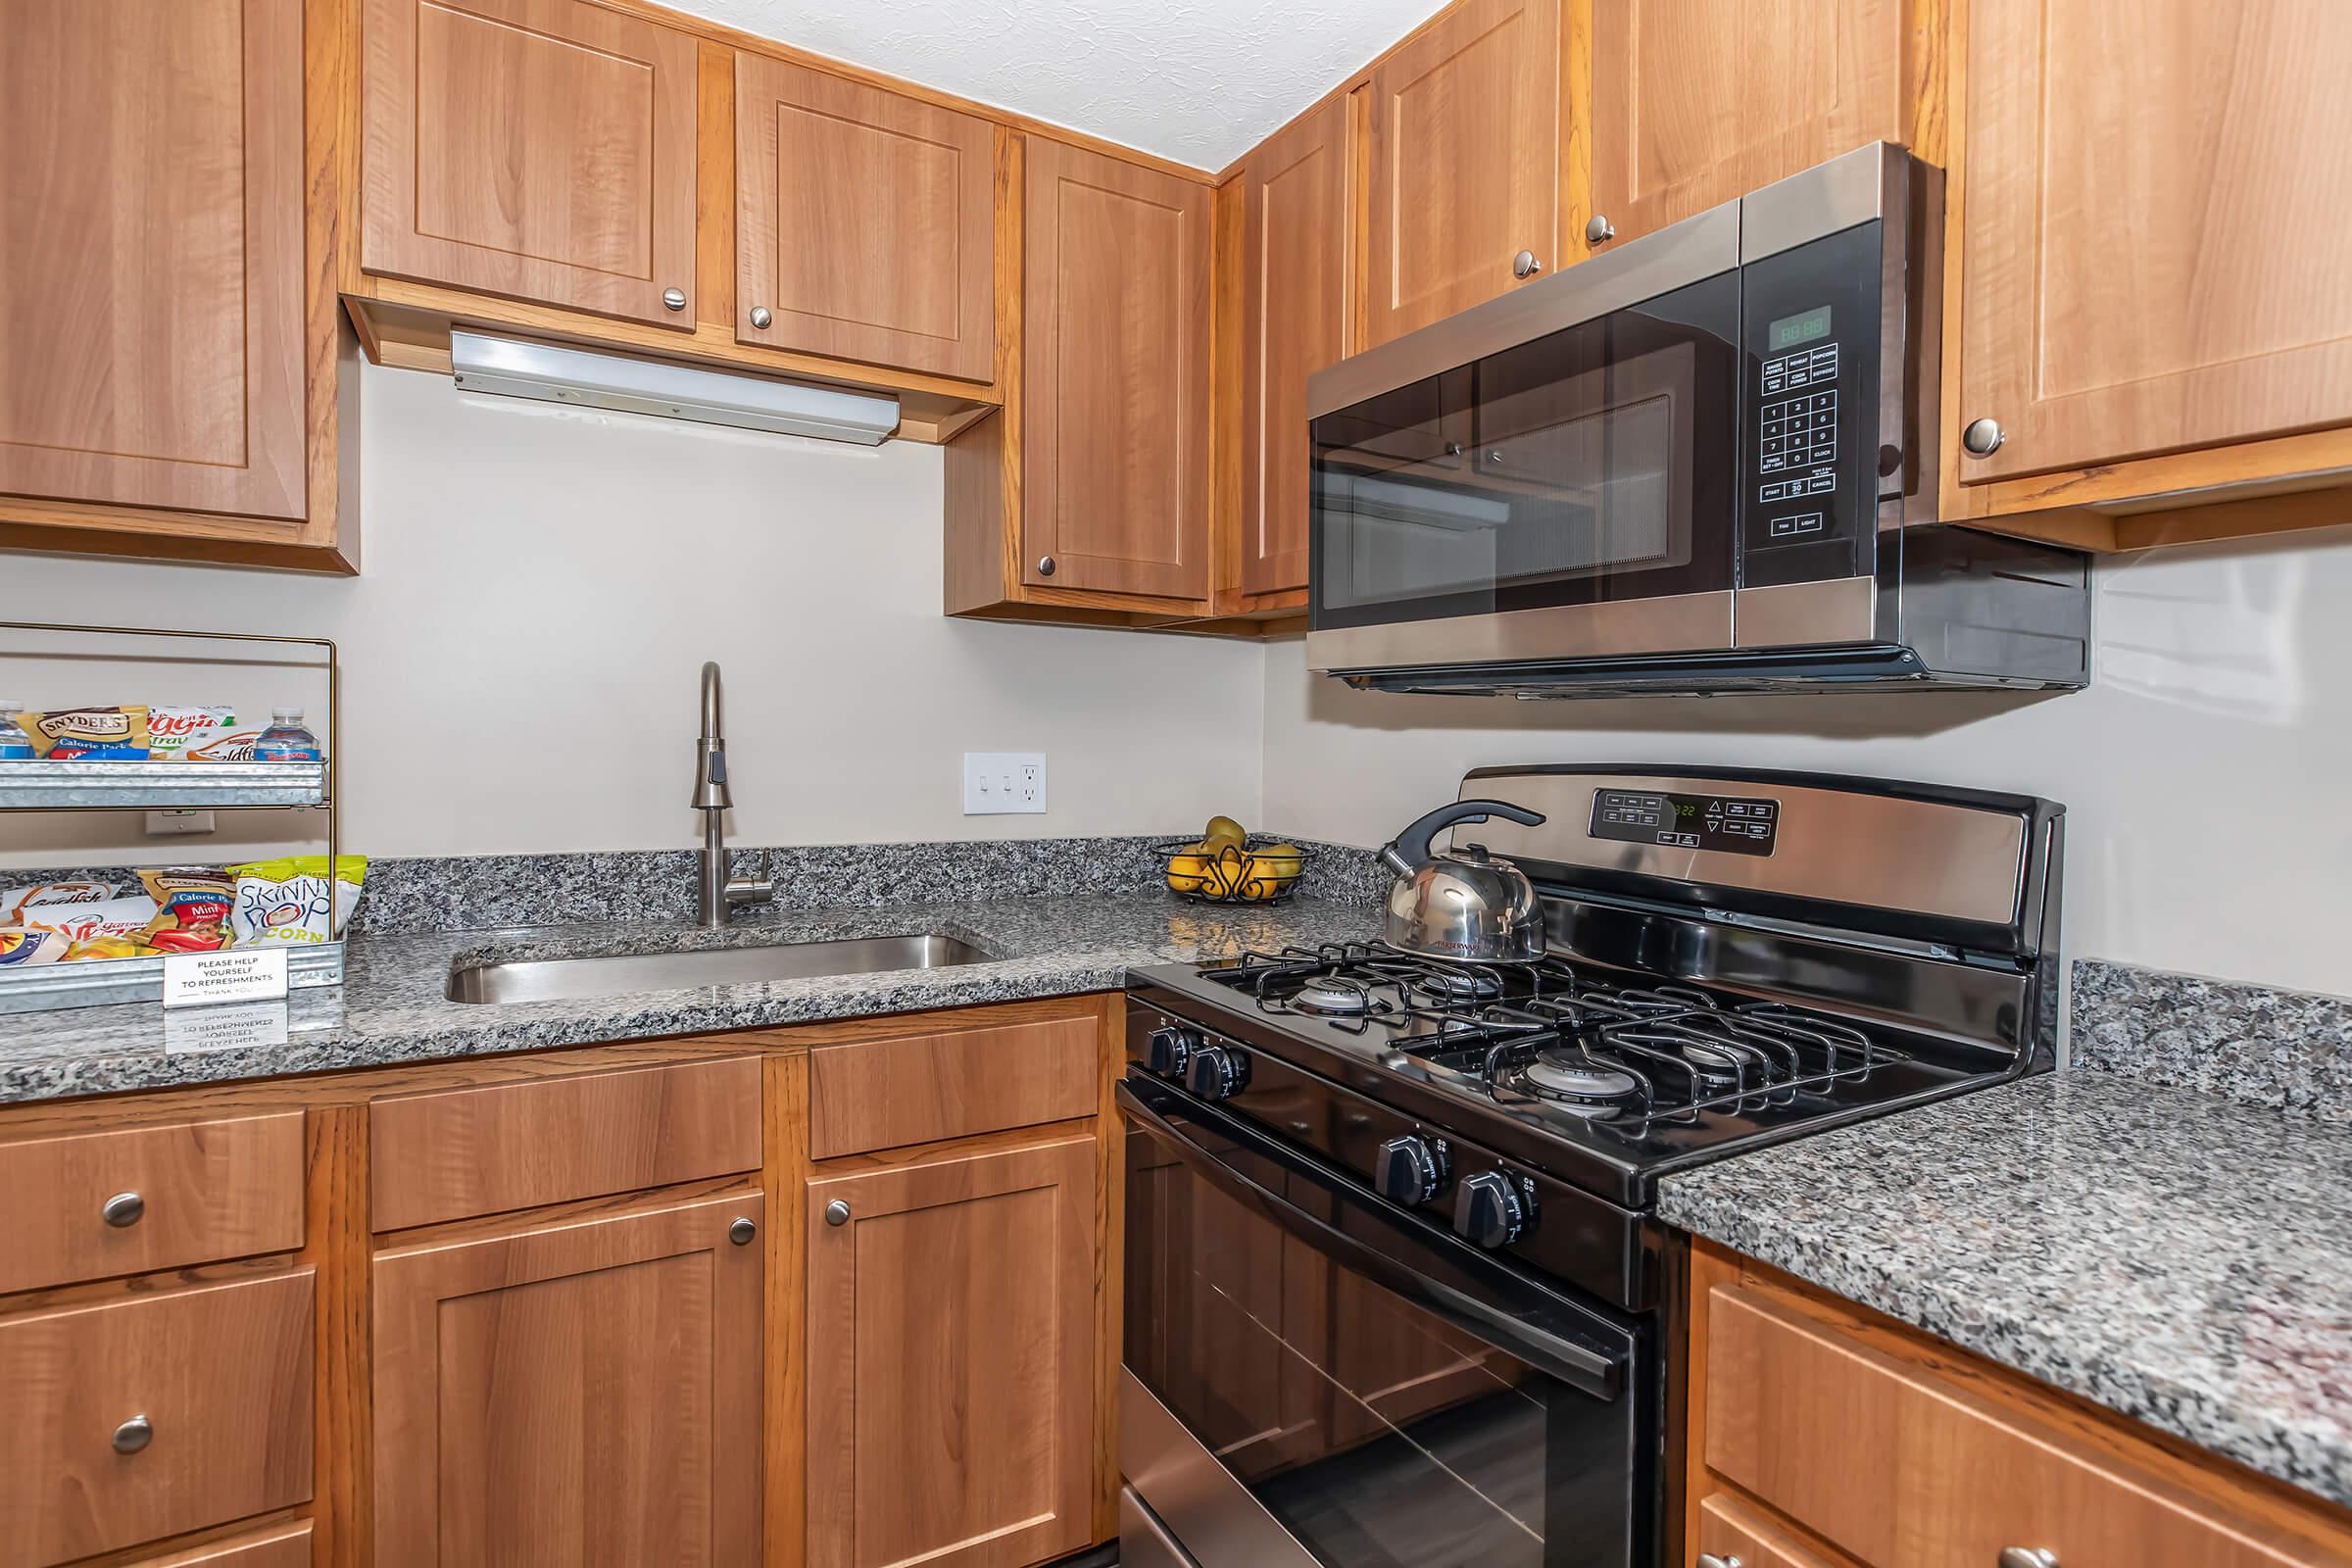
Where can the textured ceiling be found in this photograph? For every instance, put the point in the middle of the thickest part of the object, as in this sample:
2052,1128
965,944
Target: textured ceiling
1200,82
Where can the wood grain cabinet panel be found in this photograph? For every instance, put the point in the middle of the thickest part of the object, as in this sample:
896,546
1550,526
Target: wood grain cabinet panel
1465,160
1906,1468
864,223
582,1391
1734,1530
538,149
951,1361
221,1374
287,1546
1116,354
1695,102
151,254
202,1191
1295,304
449,1154
928,1088
2155,256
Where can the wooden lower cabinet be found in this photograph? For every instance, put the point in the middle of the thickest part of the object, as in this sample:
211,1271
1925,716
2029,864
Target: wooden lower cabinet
1825,1436
581,1388
951,1352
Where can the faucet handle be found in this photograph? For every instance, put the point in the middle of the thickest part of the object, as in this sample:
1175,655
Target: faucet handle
755,890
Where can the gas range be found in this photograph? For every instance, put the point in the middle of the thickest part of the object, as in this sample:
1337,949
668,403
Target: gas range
1895,944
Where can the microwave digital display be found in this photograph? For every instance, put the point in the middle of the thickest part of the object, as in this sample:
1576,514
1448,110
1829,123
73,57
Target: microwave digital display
1737,824
1790,331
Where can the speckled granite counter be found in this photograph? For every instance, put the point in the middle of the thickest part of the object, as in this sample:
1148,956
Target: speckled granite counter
2173,1255
392,1006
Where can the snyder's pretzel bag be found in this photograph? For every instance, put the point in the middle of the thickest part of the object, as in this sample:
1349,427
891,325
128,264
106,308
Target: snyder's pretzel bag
286,901
92,734
191,908
176,733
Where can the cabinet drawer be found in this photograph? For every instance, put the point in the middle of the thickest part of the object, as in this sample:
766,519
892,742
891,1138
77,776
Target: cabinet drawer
920,1089
1740,1532
194,1191
1905,1464
221,1374
287,1546
453,1152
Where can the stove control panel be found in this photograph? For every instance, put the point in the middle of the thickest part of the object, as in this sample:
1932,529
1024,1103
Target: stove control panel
1740,824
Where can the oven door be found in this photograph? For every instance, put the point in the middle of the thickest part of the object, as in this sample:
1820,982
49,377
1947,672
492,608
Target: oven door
1316,1376
1571,496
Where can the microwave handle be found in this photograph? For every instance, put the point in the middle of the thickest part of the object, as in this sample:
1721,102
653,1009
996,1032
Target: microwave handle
1582,1368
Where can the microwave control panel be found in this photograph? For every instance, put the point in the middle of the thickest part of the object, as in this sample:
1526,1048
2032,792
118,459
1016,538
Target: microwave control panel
1810,325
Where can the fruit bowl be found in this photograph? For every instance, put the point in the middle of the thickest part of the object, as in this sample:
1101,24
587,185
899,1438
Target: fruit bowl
1257,870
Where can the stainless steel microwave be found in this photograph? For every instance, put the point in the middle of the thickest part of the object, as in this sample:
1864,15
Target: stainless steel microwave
1703,462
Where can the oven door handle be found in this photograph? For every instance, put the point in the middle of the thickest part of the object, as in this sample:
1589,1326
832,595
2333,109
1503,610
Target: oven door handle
1581,1367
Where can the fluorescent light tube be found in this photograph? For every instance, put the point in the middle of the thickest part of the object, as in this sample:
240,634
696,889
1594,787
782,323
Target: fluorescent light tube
516,367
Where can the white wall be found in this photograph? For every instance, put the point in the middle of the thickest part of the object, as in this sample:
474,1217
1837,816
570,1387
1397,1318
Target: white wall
2208,773
541,586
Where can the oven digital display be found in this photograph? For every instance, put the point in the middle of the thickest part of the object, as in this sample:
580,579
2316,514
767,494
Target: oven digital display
1733,823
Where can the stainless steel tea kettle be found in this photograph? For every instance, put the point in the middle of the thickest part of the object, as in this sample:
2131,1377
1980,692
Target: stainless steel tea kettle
1467,905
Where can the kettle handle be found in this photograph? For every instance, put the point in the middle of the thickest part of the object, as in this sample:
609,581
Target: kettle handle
1405,852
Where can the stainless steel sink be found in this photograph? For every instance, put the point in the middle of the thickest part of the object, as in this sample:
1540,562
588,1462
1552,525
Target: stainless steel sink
546,979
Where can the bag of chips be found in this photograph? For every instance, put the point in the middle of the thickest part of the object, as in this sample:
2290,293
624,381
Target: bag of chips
89,734
87,922
16,900
174,733
22,949
288,901
192,905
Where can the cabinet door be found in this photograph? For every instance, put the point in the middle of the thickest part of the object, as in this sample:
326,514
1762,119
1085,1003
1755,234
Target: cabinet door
1465,161
1695,102
1115,401
584,1390
2155,254
951,1361
1294,322
150,262
864,223
540,149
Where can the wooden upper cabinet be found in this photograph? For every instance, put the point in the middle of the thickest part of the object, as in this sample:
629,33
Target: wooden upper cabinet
1466,157
1115,402
1295,301
952,1360
538,149
152,309
576,1389
2155,254
1695,102
864,223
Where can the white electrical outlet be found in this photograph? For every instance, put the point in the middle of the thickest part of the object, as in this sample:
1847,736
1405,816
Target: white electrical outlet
164,824
1003,783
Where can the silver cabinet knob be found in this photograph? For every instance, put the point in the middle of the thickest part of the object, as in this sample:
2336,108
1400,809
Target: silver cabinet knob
1598,230
837,1212
674,298
1984,438
742,1230
122,1209
133,1434
2028,1557
1707,1560
1044,566
1526,264
762,315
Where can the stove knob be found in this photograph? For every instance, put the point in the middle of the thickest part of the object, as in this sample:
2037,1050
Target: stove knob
1216,1072
1170,1047
1489,1210
1409,1171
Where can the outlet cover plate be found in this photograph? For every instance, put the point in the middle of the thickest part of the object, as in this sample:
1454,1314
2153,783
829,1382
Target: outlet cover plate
1004,783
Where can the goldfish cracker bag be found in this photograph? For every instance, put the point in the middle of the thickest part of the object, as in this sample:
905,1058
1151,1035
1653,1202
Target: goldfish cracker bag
89,734
286,901
192,905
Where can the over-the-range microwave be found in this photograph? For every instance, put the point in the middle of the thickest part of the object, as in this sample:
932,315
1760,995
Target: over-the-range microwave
1703,462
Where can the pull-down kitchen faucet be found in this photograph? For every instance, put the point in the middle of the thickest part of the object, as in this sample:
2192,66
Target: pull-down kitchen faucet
719,892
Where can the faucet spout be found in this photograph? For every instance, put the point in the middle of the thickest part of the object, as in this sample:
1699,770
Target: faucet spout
716,892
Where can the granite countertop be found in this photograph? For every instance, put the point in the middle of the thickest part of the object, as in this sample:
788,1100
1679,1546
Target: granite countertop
392,1007
2178,1257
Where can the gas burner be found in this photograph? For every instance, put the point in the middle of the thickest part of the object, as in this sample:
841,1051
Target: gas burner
1332,996
1452,985
1566,1076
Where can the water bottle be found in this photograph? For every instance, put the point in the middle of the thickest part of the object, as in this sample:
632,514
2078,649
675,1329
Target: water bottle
285,740
14,745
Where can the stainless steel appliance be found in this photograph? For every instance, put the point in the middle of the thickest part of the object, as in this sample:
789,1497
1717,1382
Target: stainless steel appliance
1469,905
1393,1289
1706,460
